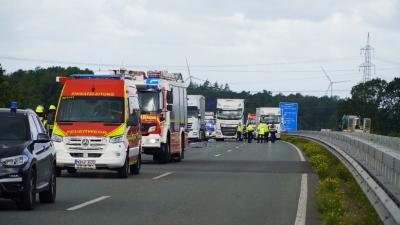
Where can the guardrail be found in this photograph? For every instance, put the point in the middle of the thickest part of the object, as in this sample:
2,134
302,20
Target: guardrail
374,163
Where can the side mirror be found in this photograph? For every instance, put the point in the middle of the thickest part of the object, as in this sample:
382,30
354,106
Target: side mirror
169,107
133,121
42,138
170,99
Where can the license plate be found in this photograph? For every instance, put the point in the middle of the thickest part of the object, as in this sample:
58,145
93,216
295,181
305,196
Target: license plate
85,164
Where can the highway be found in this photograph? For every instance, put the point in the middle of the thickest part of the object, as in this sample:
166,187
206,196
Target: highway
217,183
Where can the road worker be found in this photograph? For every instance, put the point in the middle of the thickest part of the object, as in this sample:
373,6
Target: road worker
239,130
260,132
250,130
266,135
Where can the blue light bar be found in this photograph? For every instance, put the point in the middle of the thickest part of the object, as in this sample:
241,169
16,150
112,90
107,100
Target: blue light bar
152,81
13,106
110,76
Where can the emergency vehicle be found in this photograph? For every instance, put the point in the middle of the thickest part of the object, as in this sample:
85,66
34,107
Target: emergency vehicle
163,104
97,123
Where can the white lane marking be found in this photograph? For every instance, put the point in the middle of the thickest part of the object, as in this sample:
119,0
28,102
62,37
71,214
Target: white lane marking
217,155
88,203
237,147
302,206
162,175
298,151
229,150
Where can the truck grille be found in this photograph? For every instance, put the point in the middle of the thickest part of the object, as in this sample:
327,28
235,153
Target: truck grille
189,125
86,143
228,131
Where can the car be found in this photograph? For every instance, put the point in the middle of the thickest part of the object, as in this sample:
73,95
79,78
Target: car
27,159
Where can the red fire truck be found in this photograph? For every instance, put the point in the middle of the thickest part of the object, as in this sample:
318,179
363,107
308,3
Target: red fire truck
163,105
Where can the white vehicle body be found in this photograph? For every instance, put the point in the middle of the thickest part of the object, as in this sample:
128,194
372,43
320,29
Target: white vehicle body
196,117
229,115
163,104
270,115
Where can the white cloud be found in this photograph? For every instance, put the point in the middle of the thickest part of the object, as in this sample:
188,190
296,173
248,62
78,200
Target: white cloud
209,32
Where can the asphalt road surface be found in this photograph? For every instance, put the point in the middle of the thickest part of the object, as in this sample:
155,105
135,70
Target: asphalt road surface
217,183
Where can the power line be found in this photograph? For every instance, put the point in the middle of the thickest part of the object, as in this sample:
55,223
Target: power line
300,91
177,66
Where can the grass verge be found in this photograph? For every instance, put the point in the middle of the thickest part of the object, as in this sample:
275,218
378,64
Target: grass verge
339,198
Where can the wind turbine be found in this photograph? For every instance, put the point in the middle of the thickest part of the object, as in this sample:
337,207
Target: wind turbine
331,83
190,78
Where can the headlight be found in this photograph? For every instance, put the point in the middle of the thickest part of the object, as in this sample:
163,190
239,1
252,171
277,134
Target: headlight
117,139
15,160
57,138
152,129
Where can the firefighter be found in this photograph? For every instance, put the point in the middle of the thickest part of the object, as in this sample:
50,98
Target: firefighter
40,112
250,130
260,132
51,114
239,130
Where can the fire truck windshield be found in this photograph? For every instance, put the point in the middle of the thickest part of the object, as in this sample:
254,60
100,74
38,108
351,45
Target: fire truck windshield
149,101
229,114
91,109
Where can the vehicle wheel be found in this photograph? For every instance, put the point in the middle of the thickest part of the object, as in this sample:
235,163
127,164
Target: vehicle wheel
180,156
49,196
71,170
165,155
58,172
135,169
27,199
156,157
124,170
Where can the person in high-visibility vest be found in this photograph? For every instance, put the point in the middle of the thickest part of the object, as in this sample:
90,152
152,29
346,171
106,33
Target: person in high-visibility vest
239,130
51,114
250,130
261,132
40,112
266,129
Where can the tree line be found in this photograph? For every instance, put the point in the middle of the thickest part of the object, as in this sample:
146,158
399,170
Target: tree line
376,99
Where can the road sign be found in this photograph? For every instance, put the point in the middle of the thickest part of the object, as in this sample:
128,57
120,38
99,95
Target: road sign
289,116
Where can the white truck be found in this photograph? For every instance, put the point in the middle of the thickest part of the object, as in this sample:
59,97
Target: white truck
196,117
270,115
229,115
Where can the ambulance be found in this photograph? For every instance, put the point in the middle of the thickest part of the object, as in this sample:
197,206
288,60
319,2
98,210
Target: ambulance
97,123
163,105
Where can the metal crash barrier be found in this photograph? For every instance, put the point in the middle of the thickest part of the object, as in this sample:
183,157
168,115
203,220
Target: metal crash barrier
374,161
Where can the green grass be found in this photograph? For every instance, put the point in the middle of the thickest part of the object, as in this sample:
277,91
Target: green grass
339,198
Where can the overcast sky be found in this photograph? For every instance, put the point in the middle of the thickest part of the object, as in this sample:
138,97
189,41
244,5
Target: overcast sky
277,45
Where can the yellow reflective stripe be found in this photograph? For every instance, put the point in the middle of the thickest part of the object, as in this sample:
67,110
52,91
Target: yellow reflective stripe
58,131
117,131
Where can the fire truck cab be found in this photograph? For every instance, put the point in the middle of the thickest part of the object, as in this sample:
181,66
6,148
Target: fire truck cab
163,105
